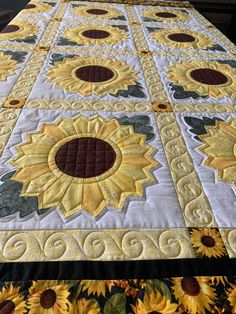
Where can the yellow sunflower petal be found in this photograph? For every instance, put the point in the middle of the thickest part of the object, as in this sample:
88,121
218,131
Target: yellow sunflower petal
219,146
93,205
7,66
55,191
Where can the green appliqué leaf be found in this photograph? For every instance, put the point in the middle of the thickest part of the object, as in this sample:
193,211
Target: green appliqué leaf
146,19
133,90
180,93
123,27
28,40
121,18
11,202
65,42
198,125
57,57
18,56
232,63
152,29
52,4
116,304
77,5
141,125
216,47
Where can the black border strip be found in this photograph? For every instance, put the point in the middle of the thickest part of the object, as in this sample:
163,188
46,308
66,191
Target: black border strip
151,269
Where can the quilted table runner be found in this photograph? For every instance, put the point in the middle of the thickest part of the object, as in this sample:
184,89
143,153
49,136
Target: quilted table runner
117,160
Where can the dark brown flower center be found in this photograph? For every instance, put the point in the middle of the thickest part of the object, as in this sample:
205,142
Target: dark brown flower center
14,102
167,15
94,73
30,6
97,11
11,29
209,76
208,241
7,307
154,312
181,37
85,157
48,298
95,34
190,286
162,106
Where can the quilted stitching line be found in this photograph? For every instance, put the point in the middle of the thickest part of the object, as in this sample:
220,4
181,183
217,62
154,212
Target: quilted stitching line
24,84
196,208
118,106
8,119
106,244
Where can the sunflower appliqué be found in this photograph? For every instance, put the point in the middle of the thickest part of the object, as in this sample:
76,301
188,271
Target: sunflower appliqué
97,287
11,300
205,78
36,8
219,147
194,293
65,163
84,306
154,303
7,66
166,15
207,242
183,39
47,297
97,12
18,30
95,35
88,75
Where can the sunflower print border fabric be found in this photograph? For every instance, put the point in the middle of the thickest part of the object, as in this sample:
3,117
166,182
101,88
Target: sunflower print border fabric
134,296
117,160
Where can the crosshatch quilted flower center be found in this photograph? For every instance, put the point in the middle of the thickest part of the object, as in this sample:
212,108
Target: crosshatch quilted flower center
165,14
96,33
209,76
84,163
97,11
85,157
94,73
181,37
